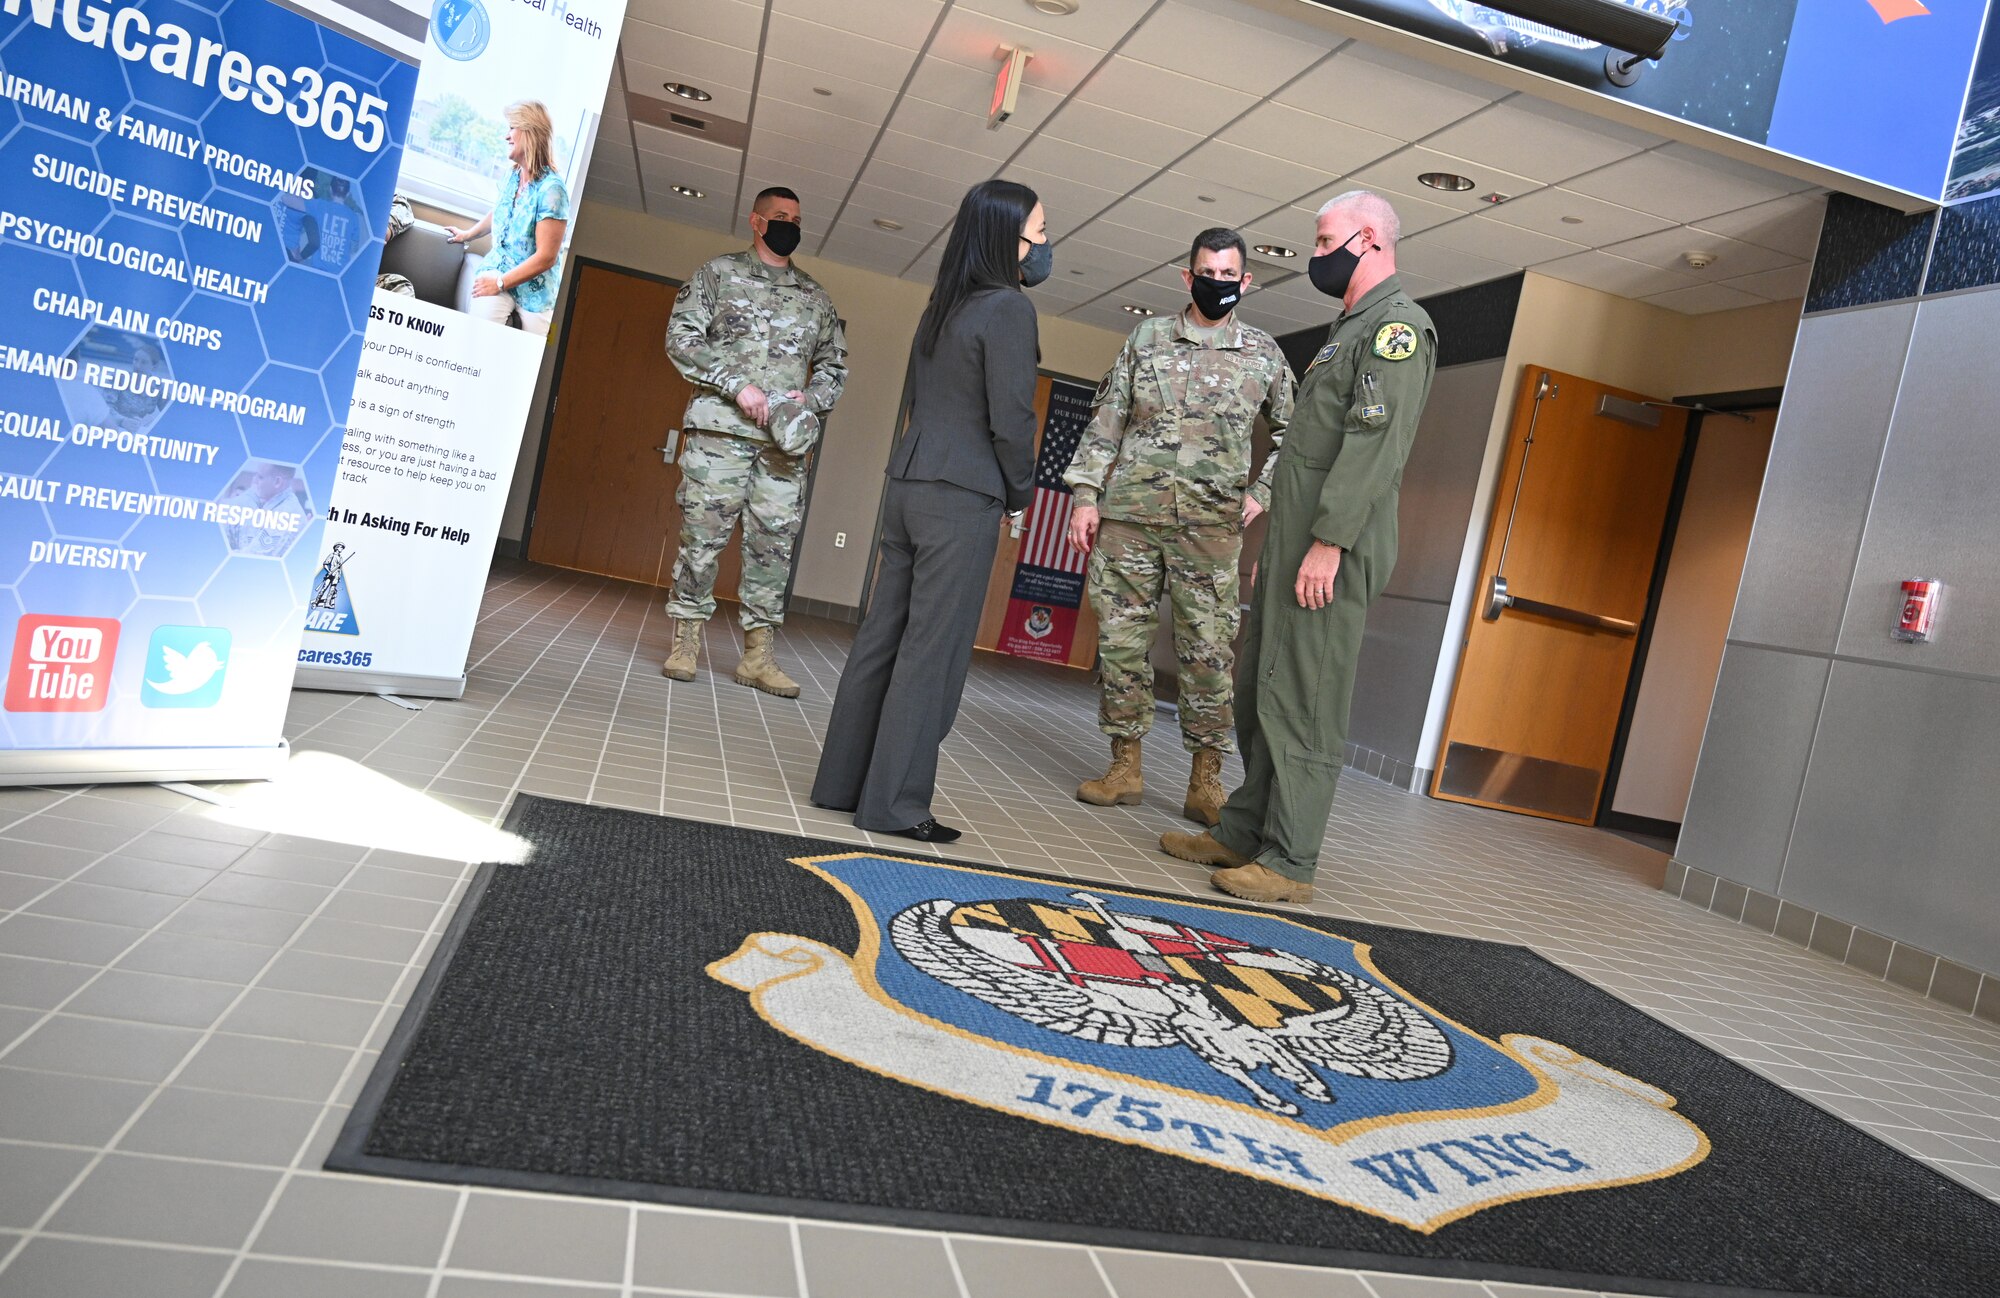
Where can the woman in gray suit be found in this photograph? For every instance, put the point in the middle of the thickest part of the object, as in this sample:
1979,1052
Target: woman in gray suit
966,458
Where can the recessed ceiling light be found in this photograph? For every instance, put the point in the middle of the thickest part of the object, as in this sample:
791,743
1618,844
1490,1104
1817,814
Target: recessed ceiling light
1446,181
1204,198
1274,250
1074,271
689,191
685,91
1572,220
884,223
1053,8
821,90
1137,310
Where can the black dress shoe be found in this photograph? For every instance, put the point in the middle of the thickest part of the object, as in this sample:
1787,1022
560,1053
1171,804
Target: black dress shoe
929,831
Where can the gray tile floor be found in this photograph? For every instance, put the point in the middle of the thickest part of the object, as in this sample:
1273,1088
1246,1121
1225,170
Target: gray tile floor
191,995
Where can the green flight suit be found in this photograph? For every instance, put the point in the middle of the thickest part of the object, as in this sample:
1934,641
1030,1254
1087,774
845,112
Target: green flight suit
1336,481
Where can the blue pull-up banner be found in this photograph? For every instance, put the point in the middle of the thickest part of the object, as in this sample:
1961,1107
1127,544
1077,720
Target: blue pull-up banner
192,206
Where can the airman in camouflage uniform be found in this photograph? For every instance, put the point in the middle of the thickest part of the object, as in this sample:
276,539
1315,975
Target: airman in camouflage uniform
1165,465
748,330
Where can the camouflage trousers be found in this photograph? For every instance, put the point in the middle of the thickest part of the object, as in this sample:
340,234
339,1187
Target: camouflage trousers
724,478
1196,567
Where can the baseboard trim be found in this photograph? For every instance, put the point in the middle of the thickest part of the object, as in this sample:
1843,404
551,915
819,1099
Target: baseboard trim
832,612
1390,770
1632,824
1970,991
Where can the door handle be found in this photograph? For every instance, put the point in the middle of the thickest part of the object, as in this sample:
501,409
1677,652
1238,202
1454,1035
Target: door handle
1498,598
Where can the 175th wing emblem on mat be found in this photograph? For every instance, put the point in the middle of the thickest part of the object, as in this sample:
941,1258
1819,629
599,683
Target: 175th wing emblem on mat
1242,1040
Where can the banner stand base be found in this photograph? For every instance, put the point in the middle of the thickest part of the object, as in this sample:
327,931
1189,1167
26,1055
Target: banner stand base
141,765
342,680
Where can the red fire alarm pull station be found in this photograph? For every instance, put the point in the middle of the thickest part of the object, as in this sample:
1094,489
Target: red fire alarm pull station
1918,619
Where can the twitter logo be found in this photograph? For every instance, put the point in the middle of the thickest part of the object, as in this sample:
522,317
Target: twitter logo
185,666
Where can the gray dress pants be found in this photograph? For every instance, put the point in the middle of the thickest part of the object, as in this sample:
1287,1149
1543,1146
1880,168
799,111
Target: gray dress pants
899,692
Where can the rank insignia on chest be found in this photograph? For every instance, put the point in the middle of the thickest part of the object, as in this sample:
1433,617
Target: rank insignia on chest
1396,342
1325,353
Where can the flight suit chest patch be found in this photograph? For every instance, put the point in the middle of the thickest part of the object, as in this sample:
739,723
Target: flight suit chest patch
1325,353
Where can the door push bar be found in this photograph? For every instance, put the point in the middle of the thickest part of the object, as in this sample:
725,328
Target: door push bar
1498,598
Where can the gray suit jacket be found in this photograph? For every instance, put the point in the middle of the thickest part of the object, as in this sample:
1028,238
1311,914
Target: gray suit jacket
972,416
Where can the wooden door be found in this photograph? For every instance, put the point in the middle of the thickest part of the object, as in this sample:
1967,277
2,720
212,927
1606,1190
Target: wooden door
606,499
1577,520
1083,648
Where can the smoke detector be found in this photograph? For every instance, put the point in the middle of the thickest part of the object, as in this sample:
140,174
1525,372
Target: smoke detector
1699,260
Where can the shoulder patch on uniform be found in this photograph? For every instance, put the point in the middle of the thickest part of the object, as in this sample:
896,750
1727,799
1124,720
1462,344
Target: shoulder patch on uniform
1396,341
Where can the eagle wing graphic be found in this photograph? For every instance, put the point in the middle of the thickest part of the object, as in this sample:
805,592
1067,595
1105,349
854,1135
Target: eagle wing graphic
922,934
1374,1034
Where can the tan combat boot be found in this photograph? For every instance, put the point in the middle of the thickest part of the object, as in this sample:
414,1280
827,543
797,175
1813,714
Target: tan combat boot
759,670
680,662
1254,882
1205,794
1202,849
1122,785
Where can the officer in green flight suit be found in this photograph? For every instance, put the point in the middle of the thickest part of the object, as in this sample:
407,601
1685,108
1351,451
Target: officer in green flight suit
1331,545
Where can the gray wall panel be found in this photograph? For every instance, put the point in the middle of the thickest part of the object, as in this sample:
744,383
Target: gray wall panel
1838,399
1392,681
1440,478
1899,828
1935,511
1753,762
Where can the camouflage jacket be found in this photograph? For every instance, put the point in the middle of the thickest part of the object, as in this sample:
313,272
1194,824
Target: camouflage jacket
1169,441
739,322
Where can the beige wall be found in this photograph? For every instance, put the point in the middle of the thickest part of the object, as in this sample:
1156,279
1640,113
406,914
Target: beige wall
1625,343
881,314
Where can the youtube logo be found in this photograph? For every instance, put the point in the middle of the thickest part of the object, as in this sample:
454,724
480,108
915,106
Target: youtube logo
61,664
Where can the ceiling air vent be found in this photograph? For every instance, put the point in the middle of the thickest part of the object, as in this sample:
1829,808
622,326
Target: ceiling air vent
692,123
713,127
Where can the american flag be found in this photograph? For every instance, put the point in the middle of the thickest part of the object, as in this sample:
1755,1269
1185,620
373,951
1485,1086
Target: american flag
1046,542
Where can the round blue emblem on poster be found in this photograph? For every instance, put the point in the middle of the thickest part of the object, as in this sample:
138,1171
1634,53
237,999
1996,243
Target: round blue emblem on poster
461,28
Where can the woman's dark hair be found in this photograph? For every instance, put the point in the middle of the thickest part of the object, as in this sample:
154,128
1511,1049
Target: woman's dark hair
982,252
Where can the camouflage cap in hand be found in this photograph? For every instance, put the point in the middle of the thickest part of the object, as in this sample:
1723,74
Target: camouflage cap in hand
793,428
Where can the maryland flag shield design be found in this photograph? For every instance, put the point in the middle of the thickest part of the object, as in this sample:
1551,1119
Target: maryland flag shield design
1242,1040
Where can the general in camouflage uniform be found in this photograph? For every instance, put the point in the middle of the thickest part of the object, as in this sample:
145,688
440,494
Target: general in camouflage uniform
748,329
1166,465
1327,555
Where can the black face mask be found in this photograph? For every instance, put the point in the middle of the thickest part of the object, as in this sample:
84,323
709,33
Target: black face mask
1215,298
1035,267
1330,272
781,237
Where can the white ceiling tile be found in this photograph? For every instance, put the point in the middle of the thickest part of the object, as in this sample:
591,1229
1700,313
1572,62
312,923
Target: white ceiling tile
815,45
1275,179
957,130
1067,203
1192,40
856,100
970,90
1203,203
1540,140
973,39
1102,267
1672,187
1335,148
819,193
1748,172
646,79
1061,289
1290,228
1170,228
1416,212
685,148
1299,298
1482,236
898,22
598,190
1187,102
1732,256
1162,297
926,185
697,62
662,174
1779,285
1609,274
1419,287
814,155
1448,265
1399,173
953,166
1098,24
917,215
861,236
723,21
1787,224
1104,316
1703,298
1053,157
1142,139
1387,93
1598,222
813,125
